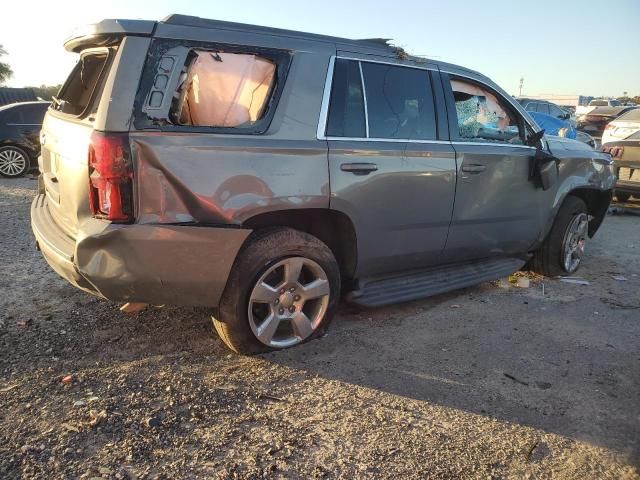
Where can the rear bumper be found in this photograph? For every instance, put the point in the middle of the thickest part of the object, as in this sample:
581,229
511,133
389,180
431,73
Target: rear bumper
628,172
56,248
158,264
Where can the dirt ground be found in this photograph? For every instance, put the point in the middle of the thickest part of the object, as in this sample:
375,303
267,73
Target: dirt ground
488,382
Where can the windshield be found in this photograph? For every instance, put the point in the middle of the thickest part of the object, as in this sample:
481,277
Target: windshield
615,103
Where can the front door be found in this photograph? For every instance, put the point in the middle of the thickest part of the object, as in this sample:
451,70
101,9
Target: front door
497,207
388,172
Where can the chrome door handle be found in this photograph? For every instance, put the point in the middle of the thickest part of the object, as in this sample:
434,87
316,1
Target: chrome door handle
473,168
359,168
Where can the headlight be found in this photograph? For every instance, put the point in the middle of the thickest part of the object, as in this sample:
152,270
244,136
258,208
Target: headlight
563,132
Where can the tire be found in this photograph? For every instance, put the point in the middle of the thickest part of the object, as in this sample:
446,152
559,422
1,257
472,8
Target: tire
14,161
550,258
262,308
623,197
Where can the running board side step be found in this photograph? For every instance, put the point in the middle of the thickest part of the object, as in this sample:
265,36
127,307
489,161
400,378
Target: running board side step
375,292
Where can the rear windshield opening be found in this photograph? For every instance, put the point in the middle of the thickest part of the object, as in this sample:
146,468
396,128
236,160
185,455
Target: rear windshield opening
78,91
224,90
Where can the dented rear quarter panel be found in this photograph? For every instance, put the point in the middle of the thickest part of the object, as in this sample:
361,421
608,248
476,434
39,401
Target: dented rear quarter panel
227,178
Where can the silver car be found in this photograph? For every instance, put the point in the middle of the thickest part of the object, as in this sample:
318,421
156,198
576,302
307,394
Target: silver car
266,173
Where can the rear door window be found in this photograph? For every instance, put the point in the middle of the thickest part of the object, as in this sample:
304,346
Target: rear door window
346,117
83,85
34,114
556,112
399,102
12,116
543,108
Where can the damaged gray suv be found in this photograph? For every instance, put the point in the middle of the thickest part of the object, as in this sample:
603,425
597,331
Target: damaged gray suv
266,173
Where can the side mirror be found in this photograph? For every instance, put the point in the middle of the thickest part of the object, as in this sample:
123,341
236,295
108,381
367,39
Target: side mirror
533,140
565,116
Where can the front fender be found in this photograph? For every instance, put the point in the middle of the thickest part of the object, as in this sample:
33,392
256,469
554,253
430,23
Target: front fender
582,172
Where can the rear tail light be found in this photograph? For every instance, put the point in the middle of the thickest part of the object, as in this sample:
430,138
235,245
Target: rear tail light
111,177
615,152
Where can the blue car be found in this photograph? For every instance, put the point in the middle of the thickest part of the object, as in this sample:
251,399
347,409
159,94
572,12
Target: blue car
553,125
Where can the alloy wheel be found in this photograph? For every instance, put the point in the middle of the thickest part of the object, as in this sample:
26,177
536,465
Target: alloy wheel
574,241
288,302
12,162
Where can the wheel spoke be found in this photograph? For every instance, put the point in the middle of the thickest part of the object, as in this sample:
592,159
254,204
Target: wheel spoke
268,328
264,293
317,288
292,269
301,325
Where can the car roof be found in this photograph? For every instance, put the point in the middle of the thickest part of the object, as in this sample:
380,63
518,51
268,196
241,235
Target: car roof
110,28
383,46
20,104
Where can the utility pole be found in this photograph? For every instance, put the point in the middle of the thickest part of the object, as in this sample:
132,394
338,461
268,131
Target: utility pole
521,84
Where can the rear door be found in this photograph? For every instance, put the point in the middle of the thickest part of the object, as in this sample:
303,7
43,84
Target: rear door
388,170
497,208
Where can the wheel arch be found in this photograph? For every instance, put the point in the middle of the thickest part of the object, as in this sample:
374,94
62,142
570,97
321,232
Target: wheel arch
332,227
597,202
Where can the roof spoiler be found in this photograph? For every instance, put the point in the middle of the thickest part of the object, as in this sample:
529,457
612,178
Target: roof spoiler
107,32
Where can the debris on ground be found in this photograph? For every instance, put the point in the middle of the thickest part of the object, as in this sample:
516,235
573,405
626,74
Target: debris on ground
574,280
133,307
511,377
96,418
620,278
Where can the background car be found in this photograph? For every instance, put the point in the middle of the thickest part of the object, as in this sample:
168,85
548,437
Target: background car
586,138
553,125
562,128
597,119
547,108
20,125
621,139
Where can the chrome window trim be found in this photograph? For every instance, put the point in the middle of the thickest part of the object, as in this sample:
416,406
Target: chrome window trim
436,142
364,99
382,62
326,95
24,124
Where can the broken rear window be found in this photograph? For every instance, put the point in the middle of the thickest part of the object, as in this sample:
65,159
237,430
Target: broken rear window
83,85
224,90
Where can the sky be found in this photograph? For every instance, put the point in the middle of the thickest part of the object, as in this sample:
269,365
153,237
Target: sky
562,46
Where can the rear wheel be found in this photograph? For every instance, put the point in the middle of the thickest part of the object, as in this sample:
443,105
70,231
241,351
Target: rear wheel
282,291
623,197
14,162
562,251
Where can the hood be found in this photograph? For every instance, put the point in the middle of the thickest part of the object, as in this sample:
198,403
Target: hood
566,147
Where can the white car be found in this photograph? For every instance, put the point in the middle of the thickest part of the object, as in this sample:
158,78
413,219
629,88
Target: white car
623,127
593,104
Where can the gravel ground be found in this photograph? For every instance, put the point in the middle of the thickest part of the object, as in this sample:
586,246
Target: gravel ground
487,382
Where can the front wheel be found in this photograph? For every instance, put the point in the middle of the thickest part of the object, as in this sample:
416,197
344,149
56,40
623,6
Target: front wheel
282,291
562,251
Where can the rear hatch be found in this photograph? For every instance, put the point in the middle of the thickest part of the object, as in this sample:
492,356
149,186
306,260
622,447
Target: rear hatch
65,137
